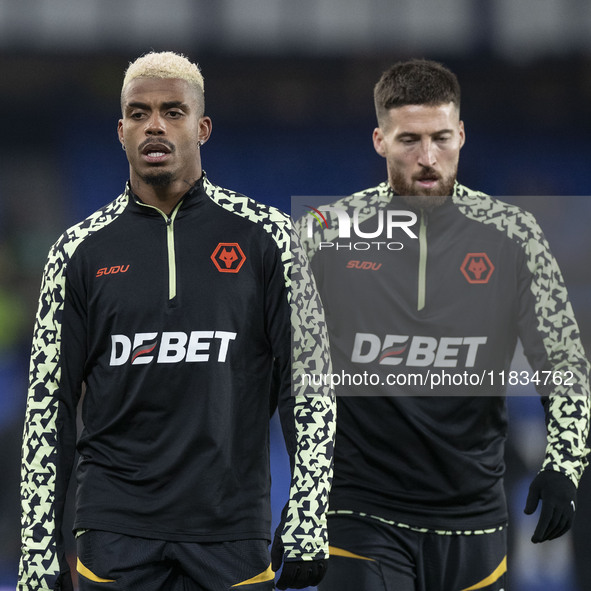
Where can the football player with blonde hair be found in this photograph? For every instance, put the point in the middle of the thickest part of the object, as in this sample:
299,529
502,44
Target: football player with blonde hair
175,304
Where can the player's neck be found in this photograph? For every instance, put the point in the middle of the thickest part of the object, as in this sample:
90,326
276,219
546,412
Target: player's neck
164,197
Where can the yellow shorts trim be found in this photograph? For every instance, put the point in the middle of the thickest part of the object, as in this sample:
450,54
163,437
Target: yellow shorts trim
334,551
267,575
88,574
494,576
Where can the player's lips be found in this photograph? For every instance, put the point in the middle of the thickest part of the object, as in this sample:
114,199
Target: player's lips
427,181
155,152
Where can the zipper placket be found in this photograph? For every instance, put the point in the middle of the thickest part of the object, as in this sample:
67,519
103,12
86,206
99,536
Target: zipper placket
422,283
171,251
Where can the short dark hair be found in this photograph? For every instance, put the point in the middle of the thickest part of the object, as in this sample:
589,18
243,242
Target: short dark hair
415,82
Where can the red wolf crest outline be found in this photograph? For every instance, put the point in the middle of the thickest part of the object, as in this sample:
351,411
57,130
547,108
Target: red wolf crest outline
228,257
477,267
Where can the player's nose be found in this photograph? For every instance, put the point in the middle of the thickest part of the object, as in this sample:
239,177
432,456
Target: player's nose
155,125
426,153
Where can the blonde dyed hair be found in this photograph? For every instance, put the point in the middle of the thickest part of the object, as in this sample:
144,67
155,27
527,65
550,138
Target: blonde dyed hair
164,65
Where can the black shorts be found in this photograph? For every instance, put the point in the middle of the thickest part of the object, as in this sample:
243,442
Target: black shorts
369,555
109,561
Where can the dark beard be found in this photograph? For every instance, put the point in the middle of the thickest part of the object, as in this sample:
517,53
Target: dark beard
159,179
429,200
426,202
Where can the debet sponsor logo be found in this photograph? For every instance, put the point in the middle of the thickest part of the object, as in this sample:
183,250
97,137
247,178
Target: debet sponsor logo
416,351
198,346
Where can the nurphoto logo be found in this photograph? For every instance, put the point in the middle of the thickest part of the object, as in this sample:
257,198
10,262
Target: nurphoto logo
348,228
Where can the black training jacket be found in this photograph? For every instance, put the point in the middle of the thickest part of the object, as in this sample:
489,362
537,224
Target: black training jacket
424,312
174,324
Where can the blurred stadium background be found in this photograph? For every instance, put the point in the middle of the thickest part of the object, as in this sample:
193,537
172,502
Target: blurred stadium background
289,88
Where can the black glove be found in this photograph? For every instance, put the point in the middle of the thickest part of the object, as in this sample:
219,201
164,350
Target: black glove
296,574
558,495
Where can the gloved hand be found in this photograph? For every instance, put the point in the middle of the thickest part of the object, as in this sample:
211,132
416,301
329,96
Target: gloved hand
296,574
558,495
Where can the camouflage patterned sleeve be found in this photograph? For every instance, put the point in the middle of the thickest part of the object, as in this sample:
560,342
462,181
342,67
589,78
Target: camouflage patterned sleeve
548,330
309,426
55,382
562,359
48,442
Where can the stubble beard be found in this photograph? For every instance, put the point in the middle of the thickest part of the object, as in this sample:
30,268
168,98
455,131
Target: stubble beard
157,179
427,199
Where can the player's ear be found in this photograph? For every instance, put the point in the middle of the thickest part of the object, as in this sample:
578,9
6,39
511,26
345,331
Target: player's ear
462,134
378,142
205,127
120,132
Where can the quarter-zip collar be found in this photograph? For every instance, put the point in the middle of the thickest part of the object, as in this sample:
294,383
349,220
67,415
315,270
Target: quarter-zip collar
190,199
